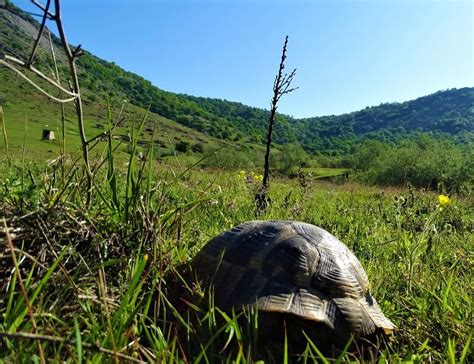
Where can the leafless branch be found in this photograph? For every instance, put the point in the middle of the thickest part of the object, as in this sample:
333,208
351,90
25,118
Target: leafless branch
40,74
63,112
53,55
40,32
44,9
71,57
78,51
26,78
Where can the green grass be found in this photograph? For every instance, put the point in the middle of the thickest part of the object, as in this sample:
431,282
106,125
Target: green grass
320,172
98,277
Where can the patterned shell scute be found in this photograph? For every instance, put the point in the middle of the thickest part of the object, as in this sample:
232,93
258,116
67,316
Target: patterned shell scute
291,267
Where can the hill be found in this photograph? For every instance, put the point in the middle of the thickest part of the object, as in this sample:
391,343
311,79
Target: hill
449,112
214,121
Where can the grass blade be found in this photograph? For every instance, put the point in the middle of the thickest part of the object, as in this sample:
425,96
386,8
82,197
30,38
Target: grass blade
5,137
24,309
111,174
318,352
465,351
77,332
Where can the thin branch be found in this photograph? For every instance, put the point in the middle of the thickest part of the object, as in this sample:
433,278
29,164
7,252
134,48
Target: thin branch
50,15
78,51
62,33
57,339
63,112
40,32
26,78
53,54
41,74
78,102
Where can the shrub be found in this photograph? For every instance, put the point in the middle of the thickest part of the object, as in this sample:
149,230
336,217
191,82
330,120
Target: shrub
425,162
198,148
291,158
182,146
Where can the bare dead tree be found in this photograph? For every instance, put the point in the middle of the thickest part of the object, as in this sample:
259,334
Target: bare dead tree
71,95
281,86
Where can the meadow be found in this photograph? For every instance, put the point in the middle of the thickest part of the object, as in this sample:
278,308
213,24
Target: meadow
88,281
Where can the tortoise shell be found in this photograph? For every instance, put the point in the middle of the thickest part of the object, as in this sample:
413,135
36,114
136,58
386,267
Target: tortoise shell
292,268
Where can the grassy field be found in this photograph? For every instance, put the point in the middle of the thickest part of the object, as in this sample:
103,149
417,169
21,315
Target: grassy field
320,172
93,279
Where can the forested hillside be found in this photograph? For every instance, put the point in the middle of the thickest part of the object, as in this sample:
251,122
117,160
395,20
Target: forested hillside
449,112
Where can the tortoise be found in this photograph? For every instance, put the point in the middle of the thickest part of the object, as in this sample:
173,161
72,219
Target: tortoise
293,272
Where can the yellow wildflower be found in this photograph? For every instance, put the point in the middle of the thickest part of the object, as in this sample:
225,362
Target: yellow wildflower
258,177
444,200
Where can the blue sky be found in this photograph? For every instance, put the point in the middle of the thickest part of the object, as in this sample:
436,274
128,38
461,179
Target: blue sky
348,54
